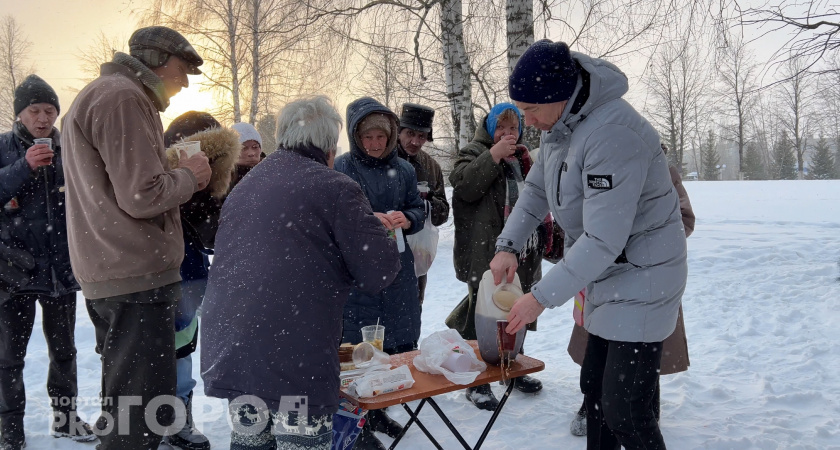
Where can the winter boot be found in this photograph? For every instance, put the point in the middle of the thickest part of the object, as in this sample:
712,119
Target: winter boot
380,421
189,438
482,397
527,384
79,432
367,440
12,436
578,425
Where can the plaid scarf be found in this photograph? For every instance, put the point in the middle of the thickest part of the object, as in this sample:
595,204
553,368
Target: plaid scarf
516,169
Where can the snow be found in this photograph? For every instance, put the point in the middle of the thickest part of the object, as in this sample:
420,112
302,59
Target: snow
761,312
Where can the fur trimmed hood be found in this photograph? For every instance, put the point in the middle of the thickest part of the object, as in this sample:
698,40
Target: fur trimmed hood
221,145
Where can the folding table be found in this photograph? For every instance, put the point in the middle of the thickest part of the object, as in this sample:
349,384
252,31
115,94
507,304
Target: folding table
427,386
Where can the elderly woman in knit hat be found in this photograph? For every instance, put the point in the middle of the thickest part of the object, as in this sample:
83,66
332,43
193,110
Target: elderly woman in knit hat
390,184
35,264
487,179
603,176
251,153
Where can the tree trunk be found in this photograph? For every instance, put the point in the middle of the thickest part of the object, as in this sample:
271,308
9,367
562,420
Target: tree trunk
520,29
520,36
457,67
234,63
255,62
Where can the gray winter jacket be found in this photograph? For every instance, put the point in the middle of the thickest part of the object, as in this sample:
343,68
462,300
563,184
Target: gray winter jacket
602,174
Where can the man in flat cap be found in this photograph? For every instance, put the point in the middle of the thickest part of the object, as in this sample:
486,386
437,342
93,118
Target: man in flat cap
124,228
416,130
605,179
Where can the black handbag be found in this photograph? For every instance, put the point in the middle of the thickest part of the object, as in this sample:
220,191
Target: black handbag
16,267
554,244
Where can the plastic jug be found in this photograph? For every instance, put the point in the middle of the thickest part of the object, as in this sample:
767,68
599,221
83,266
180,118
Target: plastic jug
493,303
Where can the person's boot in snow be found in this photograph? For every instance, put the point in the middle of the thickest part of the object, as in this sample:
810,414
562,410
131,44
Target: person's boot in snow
79,432
189,438
380,421
482,397
527,384
367,440
578,425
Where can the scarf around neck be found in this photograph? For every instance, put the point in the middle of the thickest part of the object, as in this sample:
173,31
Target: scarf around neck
20,131
516,168
150,80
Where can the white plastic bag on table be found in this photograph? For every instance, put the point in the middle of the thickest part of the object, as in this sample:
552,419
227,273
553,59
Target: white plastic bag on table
382,382
437,348
424,244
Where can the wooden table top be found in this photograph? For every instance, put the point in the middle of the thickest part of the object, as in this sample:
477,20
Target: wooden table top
428,385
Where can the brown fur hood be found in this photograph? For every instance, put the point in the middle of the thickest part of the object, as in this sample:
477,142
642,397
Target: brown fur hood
221,145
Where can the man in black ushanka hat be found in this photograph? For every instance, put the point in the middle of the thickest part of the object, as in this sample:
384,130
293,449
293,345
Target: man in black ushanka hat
416,130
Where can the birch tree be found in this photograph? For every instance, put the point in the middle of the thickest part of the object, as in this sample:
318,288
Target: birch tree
13,67
458,70
737,75
794,114
678,83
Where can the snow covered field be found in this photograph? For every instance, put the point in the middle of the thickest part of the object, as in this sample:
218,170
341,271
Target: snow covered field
762,312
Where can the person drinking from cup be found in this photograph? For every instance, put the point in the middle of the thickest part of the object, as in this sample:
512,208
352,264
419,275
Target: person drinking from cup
390,184
487,179
33,221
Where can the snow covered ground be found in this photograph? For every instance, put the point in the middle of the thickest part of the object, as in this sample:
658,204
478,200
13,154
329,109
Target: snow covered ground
762,312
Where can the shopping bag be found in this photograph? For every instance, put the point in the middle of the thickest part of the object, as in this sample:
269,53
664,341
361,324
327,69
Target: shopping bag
436,353
580,302
424,245
347,424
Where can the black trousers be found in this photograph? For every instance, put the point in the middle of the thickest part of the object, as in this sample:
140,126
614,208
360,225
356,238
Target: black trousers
135,337
421,286
17,317
618,381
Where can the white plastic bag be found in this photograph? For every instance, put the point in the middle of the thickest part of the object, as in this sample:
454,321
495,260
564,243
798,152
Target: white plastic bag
382,382
424,244
436,349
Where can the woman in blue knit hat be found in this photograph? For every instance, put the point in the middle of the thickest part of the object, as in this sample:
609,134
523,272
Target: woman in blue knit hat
604,177
487,179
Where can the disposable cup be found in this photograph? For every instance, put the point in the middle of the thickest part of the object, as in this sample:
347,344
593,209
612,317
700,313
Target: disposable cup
191,147
374,335
47,141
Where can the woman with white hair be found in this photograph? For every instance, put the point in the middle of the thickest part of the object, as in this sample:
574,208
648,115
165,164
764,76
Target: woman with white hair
294,238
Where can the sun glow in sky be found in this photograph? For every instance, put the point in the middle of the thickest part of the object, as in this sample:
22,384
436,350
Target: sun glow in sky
60,30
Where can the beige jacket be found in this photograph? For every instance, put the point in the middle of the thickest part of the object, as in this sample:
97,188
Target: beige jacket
124,229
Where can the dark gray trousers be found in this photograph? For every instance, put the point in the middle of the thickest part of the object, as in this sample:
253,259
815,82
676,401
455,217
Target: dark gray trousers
17,318
135,338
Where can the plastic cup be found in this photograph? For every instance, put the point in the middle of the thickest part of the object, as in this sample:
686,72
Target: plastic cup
191,147
374,335
47,141
423,186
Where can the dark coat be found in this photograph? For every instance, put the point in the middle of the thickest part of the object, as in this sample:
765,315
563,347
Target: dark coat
389,184
428,170
294,238
33,218
479,188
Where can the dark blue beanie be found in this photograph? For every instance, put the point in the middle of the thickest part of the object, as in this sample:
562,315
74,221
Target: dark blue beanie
545,73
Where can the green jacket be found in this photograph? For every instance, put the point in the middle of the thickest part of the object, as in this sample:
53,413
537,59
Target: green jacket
478,203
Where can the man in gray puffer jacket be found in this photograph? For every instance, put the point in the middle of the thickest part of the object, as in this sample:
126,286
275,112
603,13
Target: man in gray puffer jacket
603,176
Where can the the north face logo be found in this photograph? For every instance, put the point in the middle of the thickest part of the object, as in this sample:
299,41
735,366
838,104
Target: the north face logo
599,181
